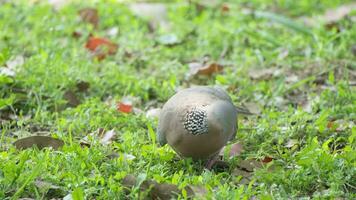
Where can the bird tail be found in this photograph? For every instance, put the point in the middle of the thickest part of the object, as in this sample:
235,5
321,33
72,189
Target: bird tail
241,110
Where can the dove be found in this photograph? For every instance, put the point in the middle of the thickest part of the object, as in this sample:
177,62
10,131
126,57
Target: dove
198,122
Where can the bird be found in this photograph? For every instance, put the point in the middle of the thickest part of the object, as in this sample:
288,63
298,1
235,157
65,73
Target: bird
198,122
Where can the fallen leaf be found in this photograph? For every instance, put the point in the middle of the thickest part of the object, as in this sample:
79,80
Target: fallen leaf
90,15
99,133
234,150
39,141
263,74
249,165
101,47
195,191
156,190
160,190
267,159
125,106
108,137
245,169
82,86
71,98
153,113
240,172
206,69
163,190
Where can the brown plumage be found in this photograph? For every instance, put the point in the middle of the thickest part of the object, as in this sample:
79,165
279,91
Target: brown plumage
197,122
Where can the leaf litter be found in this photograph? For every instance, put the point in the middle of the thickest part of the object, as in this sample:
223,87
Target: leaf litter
101,47
155,190
204,67
38,141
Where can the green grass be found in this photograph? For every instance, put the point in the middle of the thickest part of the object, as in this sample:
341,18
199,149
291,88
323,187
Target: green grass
321,165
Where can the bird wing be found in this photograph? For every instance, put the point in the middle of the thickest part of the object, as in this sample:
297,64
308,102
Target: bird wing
164,125
225,114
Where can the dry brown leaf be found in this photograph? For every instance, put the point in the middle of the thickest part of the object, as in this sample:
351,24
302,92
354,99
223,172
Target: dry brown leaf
90,15
125,107
39,141
101,47
71,98
206,69
267,159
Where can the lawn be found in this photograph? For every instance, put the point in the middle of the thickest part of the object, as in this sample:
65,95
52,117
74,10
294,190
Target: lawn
88,78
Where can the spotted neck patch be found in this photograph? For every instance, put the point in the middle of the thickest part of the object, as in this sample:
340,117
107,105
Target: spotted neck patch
196,121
